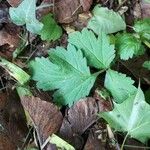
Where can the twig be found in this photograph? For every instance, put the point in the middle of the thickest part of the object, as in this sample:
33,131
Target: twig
124,141
44,6
26,138
121,4
134,146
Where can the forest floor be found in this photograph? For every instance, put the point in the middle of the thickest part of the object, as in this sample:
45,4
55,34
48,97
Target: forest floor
53,99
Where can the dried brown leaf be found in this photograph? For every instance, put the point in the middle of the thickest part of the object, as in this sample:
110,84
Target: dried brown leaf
95,140
14,3
79,118
6,143
15,120
145,8
3,100
66,11
86,4
46,117
9,39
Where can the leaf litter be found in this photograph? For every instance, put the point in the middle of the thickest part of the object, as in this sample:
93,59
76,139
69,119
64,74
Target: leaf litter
63,112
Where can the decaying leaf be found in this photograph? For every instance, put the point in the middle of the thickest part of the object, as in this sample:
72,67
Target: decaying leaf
145,7
96,139
14,118
86,4
6,143
6,38
79,118
14,3
3,15
67,11
3,100
135,65
46,117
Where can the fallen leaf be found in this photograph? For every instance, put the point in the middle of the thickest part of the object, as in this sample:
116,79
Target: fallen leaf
66,11
3,100
6,38
14,3
15,120
131,116
46,117
145,8
135,67
9,37
79,118
20,75
25,14
6,143
96,139
106,20
137,12
86,4
3,15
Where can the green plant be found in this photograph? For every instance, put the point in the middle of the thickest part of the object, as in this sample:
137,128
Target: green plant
70,71
131,116
106,20
66,71
25,14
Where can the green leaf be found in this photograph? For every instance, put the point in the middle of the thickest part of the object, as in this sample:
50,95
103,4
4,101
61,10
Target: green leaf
98,51
131,116
106,20
128,46
21,76
50,31
143,28
23,91
25,14
147,65
60,143
147,1
67,72
120,86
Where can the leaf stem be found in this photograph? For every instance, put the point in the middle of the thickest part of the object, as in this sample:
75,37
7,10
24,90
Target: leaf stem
44,6
99,72
124,141
146,43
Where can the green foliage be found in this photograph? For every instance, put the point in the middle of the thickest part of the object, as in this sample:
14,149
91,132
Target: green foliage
127,46
120,86
50,31
142,27
21,76
98,51
25,14
131,116
66,71
147,65
148,1
106,20
60,143
23,91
